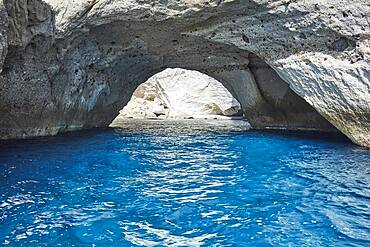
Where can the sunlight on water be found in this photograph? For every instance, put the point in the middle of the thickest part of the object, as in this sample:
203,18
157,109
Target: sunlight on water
175,185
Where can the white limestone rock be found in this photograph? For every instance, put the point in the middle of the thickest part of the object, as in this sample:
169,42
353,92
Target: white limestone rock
338,89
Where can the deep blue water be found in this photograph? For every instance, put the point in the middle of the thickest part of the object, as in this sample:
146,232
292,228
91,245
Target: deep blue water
184,188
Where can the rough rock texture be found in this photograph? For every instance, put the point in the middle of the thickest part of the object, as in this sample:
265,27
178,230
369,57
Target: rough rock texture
74,64
179,94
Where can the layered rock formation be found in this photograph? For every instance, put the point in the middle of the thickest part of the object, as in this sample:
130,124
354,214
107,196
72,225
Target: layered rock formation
181,94
291,64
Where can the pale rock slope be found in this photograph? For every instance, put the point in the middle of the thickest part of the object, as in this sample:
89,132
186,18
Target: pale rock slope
178,94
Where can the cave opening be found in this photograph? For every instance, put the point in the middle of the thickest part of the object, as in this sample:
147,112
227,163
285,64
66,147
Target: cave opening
180,94
267,99
251,91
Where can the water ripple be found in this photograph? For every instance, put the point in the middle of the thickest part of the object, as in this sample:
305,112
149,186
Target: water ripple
178,185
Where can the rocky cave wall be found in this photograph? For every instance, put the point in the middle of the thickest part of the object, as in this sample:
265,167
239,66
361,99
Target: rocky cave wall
69,65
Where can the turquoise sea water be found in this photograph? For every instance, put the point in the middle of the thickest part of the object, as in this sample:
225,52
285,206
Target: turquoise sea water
176,186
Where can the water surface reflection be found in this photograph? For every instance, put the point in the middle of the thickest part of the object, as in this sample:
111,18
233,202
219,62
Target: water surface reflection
184,187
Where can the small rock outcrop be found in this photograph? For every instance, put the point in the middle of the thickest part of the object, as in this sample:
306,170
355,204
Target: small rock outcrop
69,65
178,94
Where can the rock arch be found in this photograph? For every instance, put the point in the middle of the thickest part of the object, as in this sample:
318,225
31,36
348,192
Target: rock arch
71,66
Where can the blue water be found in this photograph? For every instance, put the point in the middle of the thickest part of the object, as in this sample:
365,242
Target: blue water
184,188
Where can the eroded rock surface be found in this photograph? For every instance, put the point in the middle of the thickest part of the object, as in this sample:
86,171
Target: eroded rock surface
291,64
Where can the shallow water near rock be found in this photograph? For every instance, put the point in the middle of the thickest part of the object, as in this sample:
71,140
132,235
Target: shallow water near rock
176,185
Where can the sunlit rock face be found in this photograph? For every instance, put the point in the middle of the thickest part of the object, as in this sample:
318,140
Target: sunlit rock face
291,64
178,94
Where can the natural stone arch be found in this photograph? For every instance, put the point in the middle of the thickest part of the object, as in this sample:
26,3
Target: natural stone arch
238,70
63,60
102,69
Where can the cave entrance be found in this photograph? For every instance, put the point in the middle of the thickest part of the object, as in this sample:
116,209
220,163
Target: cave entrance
176,93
